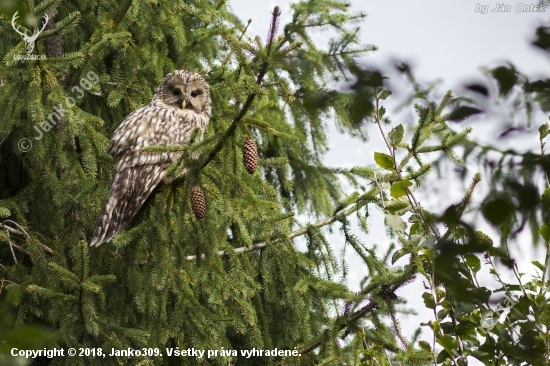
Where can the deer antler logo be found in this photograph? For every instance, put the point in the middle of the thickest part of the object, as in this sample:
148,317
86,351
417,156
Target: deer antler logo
29,40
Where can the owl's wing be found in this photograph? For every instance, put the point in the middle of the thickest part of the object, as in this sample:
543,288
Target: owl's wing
136,173
129,190
148,126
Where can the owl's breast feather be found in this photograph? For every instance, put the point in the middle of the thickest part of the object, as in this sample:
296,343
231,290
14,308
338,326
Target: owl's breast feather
153,126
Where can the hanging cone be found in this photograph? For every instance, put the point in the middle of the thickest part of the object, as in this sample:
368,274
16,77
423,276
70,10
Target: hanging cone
198,202
250,155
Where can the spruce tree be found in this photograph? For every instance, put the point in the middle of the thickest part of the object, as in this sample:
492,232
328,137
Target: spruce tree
211,261
226,278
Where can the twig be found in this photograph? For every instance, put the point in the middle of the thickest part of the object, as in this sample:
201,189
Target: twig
12,230
19,226
371,306
23,233
292,235
16,247
415,205
11,247
380,189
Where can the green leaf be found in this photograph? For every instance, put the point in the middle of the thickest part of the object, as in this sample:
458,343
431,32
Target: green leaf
398,189
520,310
482,356
545,315
461,113
543,131
396,135
503,255
398,254
425,346
384,94
545,232
442,356
414,229
384,160
449,343
497,210
473,262
464,327
506,78
415,218
397,204
546,197
429,300
543,38
395,222
538,265
540,88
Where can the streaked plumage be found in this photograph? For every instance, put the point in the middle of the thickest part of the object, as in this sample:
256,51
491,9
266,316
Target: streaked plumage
180,104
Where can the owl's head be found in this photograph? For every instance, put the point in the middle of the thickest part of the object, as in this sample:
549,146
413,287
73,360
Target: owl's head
185,90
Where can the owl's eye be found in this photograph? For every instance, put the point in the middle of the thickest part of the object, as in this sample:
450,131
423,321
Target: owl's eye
176,92
194,93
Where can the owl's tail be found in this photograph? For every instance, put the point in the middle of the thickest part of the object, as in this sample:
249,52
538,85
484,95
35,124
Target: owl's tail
129,190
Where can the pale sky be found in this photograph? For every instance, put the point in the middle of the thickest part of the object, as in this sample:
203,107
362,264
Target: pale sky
441,39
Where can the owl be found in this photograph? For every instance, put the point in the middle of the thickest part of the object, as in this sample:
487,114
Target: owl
180,104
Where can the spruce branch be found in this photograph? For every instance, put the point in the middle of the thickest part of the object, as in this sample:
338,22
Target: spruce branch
59,26
273,28
230,53
387,293
319,341
337,217
396,326
247,104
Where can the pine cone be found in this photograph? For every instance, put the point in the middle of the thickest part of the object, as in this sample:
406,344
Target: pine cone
198,202
250,155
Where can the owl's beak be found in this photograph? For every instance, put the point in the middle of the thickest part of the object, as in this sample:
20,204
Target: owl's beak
183,103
